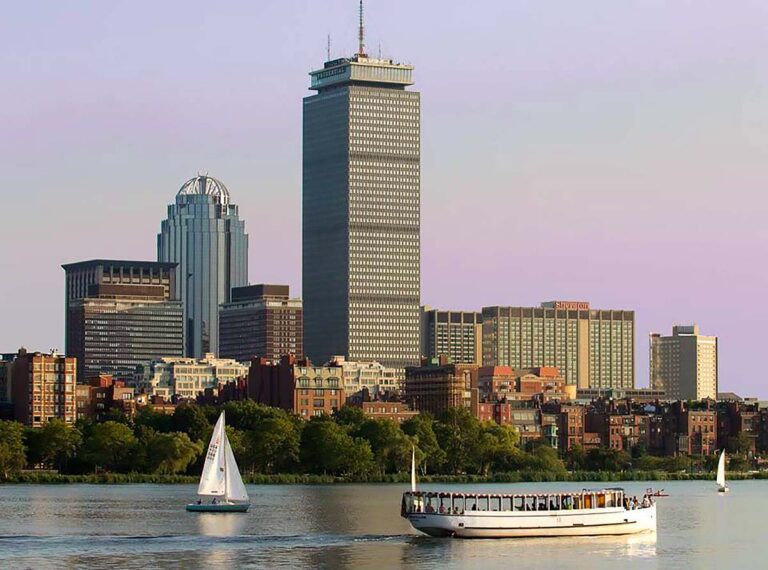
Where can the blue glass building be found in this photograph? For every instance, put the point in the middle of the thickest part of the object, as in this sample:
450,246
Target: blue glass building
206,237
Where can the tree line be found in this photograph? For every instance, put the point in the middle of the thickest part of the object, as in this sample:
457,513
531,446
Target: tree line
269,441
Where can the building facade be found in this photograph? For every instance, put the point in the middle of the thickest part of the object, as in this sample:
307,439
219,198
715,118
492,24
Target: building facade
591,348
43,388
185,378
684,365
204,235
371,376
296,385
102,394
361,212
455,334
121,314
439,386
261,320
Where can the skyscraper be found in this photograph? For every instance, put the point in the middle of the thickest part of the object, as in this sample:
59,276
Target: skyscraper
591,348
455,334
684,365
205,236
361,216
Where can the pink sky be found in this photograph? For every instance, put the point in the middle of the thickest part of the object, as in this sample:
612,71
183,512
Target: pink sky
607,151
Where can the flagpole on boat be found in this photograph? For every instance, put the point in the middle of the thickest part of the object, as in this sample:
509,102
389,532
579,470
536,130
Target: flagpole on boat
413,469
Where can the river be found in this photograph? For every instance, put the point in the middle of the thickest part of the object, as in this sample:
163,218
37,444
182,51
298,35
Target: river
354,526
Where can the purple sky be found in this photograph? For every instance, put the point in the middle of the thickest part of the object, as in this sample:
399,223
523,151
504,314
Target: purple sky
615,152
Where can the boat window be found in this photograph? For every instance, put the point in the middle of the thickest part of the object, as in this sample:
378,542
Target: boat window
601,500
554,503
471,504
507,504
484,503
458,505
496,506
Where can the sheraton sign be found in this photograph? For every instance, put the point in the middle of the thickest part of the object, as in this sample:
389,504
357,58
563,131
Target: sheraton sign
572,305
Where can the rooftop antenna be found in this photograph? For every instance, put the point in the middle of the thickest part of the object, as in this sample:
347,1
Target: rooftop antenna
379,50
328,48
361,33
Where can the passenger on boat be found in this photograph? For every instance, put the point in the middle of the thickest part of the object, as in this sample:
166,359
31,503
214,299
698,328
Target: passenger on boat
214,501
646,502
430,508
626,503
442,509
199,501
635,502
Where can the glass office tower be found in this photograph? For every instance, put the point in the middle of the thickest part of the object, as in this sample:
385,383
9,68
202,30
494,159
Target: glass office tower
361,215
205,236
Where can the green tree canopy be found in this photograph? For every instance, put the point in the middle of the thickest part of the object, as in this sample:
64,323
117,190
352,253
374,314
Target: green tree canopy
326,447
54,444
191,419
421,429
111,446
391,448
274,445
169,453
12,456
158,421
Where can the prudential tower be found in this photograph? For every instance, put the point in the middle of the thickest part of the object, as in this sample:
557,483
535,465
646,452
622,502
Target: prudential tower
206,237
361,211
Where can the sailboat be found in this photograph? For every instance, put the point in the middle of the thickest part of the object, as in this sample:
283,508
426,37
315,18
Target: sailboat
221,480
721,486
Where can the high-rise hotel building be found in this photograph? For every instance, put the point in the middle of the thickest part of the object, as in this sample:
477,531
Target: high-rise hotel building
592,348
684,365
361,214
455,334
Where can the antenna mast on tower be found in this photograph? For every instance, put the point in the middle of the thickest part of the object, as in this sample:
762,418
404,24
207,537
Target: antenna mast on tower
361,33
328,48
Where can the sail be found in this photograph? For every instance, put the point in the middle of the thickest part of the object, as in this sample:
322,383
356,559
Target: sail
235,488
721,470
212,481
413,469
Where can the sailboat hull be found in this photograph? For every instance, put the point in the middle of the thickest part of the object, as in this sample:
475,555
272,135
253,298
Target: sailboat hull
218,507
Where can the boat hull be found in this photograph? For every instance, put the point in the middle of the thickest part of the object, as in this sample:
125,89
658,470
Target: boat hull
218,507
615,521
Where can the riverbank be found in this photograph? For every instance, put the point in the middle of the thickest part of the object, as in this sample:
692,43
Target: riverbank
38,477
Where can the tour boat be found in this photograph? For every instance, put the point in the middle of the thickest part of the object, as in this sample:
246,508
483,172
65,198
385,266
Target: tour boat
221,481
489,515
721,486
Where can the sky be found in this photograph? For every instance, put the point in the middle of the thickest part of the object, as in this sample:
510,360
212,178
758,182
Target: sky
614,152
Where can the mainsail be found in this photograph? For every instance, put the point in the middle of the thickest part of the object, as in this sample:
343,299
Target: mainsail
721,470
213,479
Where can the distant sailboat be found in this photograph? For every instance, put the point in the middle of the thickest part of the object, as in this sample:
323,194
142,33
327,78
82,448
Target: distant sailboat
721,486
221,480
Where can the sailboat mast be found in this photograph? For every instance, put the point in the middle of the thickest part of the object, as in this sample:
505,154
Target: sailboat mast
225,441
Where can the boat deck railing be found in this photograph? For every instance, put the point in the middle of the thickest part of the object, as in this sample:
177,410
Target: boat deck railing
460,503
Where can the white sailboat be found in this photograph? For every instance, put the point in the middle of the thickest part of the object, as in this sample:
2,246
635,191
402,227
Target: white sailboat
221,480
721,486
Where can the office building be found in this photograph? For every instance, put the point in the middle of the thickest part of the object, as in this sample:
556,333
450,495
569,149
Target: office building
261,320
204,235
43,388
121,314
455,334
185,378
361,217
297,385
684,365
440,385
591,348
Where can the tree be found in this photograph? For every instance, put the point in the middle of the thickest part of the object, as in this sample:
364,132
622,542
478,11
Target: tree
12,456
158,421
170,453
421,429
576,457
111,445
191,419
327,448
274,446
350,417
741,444
54,444
390,446
497,447
607,459
458,432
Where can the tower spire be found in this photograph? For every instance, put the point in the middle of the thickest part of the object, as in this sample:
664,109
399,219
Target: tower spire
361,33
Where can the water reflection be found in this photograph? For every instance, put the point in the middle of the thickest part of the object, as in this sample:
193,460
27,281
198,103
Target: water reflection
221,524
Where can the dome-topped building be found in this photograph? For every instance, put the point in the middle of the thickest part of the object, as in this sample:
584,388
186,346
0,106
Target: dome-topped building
206,237
205,185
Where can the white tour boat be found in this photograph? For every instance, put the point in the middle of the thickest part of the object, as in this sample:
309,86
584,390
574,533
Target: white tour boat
489,515
721,486
221,481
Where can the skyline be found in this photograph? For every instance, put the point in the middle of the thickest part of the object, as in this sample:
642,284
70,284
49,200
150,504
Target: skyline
118,125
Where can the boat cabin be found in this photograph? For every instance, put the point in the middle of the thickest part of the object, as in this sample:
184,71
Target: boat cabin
460,503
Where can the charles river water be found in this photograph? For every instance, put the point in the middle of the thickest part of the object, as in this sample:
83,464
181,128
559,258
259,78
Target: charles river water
355,526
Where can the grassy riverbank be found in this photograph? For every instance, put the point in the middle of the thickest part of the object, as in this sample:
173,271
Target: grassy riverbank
309,479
